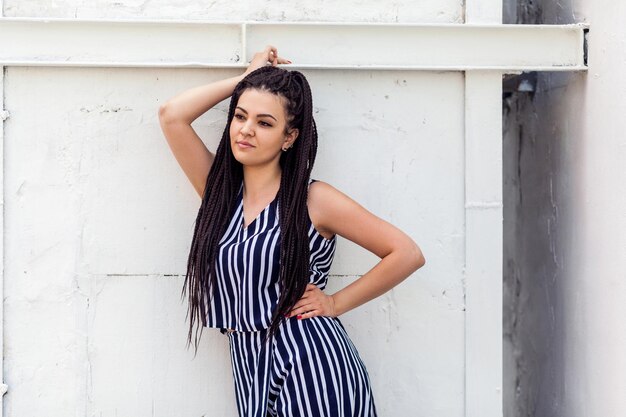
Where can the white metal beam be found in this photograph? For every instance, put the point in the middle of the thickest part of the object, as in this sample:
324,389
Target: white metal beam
483,244
3,116
483,227
346,45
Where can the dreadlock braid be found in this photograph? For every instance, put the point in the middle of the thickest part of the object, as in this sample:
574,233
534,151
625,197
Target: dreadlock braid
220,193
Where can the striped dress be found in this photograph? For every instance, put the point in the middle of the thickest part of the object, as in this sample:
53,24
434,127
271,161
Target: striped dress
310,368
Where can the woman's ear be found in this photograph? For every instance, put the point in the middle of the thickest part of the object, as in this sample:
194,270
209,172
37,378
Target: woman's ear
292,136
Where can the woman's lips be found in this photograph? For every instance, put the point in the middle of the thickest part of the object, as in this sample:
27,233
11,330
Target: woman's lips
244,146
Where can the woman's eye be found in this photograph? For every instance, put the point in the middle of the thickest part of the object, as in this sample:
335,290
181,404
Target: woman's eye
240,117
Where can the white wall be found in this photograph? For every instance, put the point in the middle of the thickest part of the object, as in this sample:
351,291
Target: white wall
565,220
431,11
98,221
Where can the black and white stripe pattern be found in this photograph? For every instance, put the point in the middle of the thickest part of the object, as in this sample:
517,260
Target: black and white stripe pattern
247,269
311,367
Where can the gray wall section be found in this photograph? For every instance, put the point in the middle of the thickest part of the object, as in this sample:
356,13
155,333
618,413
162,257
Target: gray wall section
543,373
535,210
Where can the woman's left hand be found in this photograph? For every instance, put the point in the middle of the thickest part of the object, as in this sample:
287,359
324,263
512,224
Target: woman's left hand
313,303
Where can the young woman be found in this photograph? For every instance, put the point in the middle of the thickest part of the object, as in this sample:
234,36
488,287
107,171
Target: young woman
264,241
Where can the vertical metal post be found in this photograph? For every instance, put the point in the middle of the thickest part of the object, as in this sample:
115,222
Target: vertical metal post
483,234
3,116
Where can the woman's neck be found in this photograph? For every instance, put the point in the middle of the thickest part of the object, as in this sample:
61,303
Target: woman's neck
261,183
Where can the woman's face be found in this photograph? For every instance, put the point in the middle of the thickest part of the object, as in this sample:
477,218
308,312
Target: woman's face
260,120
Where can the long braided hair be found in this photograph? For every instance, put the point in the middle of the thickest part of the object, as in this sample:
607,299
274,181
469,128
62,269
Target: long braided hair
220,194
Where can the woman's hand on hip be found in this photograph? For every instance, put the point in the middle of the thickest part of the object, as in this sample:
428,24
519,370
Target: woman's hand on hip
313,303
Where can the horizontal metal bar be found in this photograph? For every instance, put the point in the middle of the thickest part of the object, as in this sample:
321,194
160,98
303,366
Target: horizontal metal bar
62,42
315,45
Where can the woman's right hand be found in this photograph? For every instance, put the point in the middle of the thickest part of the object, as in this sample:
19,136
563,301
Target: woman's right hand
260,59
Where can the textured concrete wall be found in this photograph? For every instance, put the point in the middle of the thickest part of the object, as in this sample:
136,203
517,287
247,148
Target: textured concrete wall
98,221
565,291
430,11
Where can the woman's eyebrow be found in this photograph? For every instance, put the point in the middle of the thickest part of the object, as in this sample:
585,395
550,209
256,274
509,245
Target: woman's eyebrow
259,115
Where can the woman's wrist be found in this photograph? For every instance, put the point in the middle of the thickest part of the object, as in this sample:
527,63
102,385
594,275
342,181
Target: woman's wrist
336,309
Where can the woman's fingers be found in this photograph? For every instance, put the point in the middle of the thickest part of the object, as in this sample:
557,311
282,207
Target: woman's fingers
271,53
273,57
312,299
261,59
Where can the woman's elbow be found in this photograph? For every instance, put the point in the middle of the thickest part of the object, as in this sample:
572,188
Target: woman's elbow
163,111
418,256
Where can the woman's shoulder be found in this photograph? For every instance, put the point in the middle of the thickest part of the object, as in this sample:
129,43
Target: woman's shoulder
319,189
319,195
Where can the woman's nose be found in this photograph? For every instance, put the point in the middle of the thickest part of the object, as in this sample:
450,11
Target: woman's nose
245,129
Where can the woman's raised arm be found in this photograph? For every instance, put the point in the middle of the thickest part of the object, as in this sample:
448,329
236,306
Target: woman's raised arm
177,114
175,118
